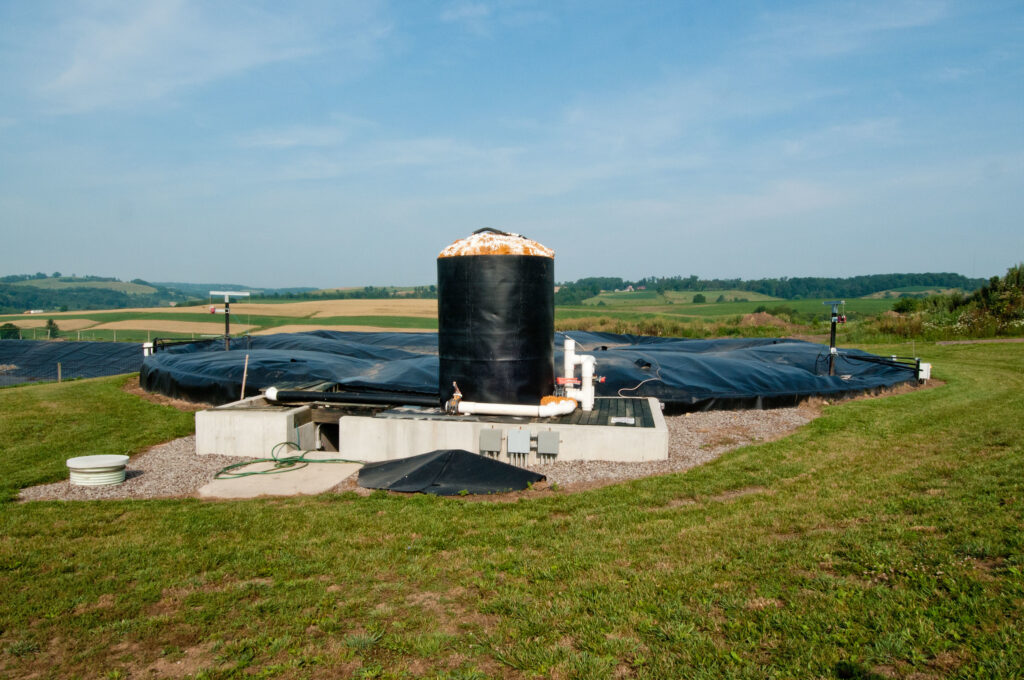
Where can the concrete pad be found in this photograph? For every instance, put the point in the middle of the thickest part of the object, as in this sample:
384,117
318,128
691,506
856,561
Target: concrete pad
313,479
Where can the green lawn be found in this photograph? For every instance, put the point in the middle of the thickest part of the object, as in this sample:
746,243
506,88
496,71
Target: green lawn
882,540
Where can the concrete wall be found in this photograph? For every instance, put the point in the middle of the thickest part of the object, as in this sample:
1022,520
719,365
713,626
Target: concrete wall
250,427
375,439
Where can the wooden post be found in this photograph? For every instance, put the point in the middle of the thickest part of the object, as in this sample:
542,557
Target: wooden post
58,371
245,374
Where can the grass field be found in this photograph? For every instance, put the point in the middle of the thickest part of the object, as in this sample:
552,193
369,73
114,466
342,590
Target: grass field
882,540
57,284
643,312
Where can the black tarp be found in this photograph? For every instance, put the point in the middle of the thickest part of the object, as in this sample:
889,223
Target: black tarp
687,375
36,360
446,472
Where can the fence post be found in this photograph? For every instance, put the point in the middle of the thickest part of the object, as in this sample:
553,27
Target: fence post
58,371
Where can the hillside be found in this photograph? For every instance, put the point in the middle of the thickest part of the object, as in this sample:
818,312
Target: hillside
574,293
22,292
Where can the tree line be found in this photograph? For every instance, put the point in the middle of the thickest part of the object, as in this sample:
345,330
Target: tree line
795,288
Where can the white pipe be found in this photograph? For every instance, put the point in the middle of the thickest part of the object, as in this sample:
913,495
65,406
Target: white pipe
585,392
271,394
550,410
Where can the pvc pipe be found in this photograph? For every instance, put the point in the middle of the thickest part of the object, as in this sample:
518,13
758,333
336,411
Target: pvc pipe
569,362
550,410
585,393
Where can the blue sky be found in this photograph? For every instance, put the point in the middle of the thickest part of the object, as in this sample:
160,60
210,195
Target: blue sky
337,144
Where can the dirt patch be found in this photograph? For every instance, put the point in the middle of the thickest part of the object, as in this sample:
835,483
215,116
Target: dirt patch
733,494
135,389
763,319
759,603
179,664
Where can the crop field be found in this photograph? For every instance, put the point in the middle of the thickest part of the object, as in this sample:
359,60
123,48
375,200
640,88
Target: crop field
300,328
882,540
39,321
169,326
57,284
644,312
651,297
914,290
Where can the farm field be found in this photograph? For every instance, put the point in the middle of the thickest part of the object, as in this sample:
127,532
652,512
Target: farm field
650,297
57,284
188,322
881,540
644,312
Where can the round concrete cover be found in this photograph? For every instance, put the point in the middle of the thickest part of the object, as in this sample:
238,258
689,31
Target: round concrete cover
97,462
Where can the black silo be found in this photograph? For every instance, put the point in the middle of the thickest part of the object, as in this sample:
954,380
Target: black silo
496,320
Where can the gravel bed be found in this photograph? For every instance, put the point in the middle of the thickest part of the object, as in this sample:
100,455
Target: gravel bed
168,470
174,469
693,439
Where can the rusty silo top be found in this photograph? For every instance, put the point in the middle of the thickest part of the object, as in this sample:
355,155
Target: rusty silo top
494,242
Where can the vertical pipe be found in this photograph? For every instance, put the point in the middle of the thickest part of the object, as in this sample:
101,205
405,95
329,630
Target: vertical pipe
245,374
227,322
832,346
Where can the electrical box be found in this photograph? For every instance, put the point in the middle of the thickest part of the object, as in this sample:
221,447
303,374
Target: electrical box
547,443
925,373
490,441
518,441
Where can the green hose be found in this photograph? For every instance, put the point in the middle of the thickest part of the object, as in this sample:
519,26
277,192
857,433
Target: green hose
281,464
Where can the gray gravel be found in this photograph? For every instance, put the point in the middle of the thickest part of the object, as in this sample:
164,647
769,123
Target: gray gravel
175,470
165,471
694,439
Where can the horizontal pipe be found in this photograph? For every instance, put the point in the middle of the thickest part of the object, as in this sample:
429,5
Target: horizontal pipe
549,410
304,396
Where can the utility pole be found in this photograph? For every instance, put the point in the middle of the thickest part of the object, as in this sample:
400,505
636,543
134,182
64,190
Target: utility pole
228,294
836,318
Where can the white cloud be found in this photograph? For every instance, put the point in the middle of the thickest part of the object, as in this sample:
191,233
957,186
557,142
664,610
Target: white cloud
331,134
830,29
137,52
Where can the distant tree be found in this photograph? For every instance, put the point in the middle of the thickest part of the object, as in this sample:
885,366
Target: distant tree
905,305
63,308
52,331
721,298
9,332
55,275
699,298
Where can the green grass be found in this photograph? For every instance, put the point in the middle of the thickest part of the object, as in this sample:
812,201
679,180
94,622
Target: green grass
44,425
882,540
57,284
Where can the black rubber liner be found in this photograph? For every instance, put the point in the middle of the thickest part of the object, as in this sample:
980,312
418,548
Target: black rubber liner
686,375
24,361
446,472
